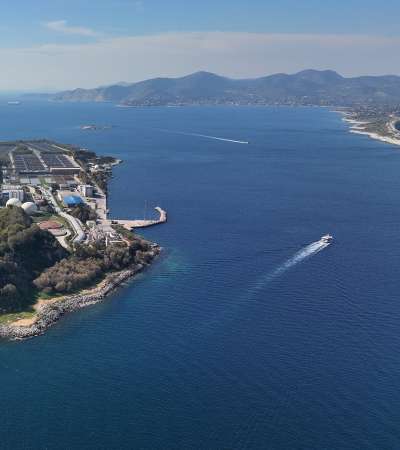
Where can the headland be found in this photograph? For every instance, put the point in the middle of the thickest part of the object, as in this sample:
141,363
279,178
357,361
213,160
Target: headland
380,123
59,251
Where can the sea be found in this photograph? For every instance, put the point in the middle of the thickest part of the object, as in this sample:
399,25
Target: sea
248,332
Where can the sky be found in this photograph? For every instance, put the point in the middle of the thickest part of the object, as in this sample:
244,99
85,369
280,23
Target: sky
49,45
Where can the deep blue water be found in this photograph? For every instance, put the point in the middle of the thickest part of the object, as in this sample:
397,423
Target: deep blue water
207,349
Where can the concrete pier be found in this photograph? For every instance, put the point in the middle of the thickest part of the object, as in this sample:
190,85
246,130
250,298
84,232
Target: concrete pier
131,224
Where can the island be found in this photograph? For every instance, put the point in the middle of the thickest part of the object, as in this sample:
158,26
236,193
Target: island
59,250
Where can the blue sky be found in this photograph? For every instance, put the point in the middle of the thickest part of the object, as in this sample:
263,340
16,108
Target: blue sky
22,19
173,37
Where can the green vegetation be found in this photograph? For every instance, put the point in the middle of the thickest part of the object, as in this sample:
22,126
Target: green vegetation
89,264
25,251
33,265
105,160
100,177
32,262
84,156
12,317
69,275
128,235
83,213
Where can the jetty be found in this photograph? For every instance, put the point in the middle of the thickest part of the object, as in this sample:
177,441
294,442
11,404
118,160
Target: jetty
132,224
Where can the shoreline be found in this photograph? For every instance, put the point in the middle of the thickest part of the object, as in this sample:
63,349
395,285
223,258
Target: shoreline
35,319
359,127
49,312
375,136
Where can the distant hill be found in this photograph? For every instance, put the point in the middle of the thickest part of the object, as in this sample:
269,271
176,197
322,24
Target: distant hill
309,87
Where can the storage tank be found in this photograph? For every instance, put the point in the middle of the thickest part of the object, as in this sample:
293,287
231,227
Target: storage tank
13,202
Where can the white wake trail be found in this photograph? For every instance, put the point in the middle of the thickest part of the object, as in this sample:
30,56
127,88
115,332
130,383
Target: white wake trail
306,252
206,136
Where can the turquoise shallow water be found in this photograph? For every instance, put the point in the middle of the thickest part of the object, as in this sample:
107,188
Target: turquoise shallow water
227,342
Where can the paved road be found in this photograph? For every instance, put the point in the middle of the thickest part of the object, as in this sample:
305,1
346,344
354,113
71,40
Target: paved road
75,224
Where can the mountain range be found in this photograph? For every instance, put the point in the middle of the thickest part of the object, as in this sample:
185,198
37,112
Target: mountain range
308,87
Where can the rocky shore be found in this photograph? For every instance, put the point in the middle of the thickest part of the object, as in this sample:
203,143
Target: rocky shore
381,127
50,311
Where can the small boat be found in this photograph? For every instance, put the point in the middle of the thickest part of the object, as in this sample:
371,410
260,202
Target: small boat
14,103
326,239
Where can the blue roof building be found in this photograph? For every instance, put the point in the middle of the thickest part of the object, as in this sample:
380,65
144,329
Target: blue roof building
72,200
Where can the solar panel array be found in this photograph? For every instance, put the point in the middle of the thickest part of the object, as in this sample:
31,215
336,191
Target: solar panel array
57,161
28,163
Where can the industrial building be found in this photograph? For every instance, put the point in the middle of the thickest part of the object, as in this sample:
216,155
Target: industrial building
86,190
10,191
69,198
72,200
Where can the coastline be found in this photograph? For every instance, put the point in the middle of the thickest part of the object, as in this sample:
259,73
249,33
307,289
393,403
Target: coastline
49,312
360,127
376,136
27,319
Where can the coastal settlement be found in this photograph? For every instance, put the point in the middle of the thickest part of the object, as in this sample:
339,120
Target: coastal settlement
376,121
59,250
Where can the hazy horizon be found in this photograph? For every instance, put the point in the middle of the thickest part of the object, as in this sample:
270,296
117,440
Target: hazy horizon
48,47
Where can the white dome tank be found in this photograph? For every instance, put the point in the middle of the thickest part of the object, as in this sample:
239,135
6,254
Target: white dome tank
30,208
13,202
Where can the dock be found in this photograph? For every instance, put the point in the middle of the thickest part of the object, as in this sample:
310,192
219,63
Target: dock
132,224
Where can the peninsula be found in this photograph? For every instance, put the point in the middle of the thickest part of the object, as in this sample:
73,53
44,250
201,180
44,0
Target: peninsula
377,122
59,251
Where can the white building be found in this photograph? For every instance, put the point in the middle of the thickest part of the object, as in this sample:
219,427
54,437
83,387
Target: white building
86,190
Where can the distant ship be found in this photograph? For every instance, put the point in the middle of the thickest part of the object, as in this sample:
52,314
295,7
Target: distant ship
326,239
95,127
14,103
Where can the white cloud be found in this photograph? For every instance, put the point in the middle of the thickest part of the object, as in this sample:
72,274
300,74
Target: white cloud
136,58
61,26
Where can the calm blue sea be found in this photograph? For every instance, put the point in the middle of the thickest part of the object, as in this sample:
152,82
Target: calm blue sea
233,339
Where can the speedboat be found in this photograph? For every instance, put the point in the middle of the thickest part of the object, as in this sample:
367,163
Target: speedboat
326,239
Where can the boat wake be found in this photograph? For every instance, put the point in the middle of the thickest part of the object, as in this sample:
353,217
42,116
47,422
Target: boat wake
253,291
305,253
206,136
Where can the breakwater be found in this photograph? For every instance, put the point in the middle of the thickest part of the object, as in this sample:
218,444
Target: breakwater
132,224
